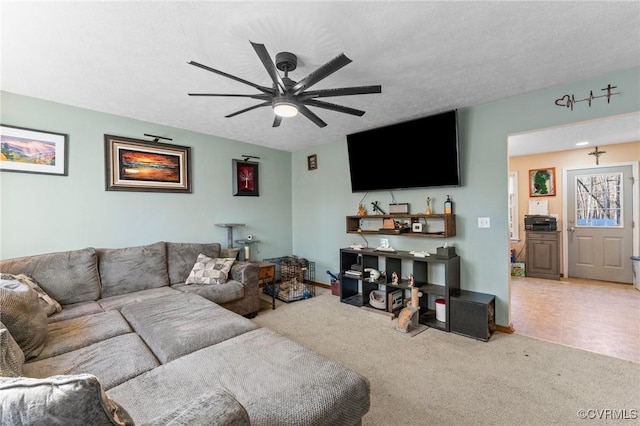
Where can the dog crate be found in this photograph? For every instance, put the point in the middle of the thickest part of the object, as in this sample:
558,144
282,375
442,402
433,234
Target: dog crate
294,280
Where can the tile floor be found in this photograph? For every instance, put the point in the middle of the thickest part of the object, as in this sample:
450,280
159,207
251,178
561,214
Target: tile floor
596,316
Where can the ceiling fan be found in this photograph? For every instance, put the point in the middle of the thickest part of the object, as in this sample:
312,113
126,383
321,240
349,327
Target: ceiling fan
288,97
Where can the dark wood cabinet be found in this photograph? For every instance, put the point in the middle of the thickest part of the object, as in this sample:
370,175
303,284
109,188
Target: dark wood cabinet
543,254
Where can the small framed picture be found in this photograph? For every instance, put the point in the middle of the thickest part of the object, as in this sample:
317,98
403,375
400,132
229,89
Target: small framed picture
245,178
416,227
33,151
542,182
312,162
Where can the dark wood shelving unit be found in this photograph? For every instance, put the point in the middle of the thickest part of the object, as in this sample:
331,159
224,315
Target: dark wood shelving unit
445,223
467,313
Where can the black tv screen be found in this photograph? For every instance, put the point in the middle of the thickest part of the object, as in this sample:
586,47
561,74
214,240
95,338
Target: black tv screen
420,153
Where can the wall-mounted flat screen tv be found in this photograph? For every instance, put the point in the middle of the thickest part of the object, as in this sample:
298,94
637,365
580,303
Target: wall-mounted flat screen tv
420,153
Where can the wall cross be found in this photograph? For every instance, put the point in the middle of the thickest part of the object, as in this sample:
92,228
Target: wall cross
597,154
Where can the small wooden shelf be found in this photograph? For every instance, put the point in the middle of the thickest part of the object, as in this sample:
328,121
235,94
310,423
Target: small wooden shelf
445,225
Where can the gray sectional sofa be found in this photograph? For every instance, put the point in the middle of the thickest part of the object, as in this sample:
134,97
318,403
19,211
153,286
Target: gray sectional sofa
118,336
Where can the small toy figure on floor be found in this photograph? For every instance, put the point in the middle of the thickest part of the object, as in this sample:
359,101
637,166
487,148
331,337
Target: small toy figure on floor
409,319
394,278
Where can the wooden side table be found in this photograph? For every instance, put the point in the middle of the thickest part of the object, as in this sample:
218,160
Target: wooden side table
267,274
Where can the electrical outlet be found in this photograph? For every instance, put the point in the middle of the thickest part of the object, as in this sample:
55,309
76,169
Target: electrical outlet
484,222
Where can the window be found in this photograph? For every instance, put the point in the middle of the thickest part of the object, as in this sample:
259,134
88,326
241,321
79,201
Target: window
599,200
514,233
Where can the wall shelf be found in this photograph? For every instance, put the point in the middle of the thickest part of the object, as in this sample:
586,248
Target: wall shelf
434,225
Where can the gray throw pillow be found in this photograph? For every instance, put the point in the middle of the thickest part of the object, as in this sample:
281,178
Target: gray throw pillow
11,356
210,270
23,315
48,303
74,400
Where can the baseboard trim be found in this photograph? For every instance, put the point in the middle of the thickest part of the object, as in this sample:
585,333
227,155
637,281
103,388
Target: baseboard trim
505,329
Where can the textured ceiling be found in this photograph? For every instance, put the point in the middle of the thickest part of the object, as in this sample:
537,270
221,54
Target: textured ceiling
130,58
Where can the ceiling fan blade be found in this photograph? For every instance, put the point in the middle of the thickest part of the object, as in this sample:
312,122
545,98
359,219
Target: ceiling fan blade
311,116
344,91
268,103
334,107
232,77
325,70
276,121
269,65
232,95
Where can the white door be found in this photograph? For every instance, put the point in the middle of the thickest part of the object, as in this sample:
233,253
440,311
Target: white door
599,223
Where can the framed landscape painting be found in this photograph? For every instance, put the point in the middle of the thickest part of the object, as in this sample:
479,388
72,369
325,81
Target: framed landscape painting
139,165
542,182
33,151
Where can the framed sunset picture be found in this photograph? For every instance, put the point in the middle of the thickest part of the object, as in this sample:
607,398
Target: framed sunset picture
139,165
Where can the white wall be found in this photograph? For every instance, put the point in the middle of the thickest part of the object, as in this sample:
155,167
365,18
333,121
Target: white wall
322,198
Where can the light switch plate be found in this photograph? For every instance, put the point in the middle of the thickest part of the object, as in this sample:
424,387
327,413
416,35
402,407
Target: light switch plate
484,222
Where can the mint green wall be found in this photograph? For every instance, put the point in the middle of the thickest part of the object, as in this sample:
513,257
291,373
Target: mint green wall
322,198
299,211
41,213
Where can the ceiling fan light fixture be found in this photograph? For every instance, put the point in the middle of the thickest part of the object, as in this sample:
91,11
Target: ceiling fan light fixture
285,109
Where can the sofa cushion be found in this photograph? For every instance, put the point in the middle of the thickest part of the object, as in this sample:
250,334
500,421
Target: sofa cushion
182,256
218,293
217,408
11,356
278,382
129,269
22,314
177,325
117,302
50,305
76,310
69,335
113,361
209,270
77,400
68,276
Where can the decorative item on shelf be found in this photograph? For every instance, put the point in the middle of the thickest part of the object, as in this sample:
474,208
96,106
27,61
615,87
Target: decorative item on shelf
394,278
376,208
411,280
416,227
409,318
399,208
448,206
428,209
446,252
361,210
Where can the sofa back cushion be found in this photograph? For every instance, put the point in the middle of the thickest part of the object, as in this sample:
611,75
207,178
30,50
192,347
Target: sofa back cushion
23,316
68,277
129,269
182,256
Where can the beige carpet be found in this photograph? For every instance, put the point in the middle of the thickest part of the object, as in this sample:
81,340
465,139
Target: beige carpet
439,378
